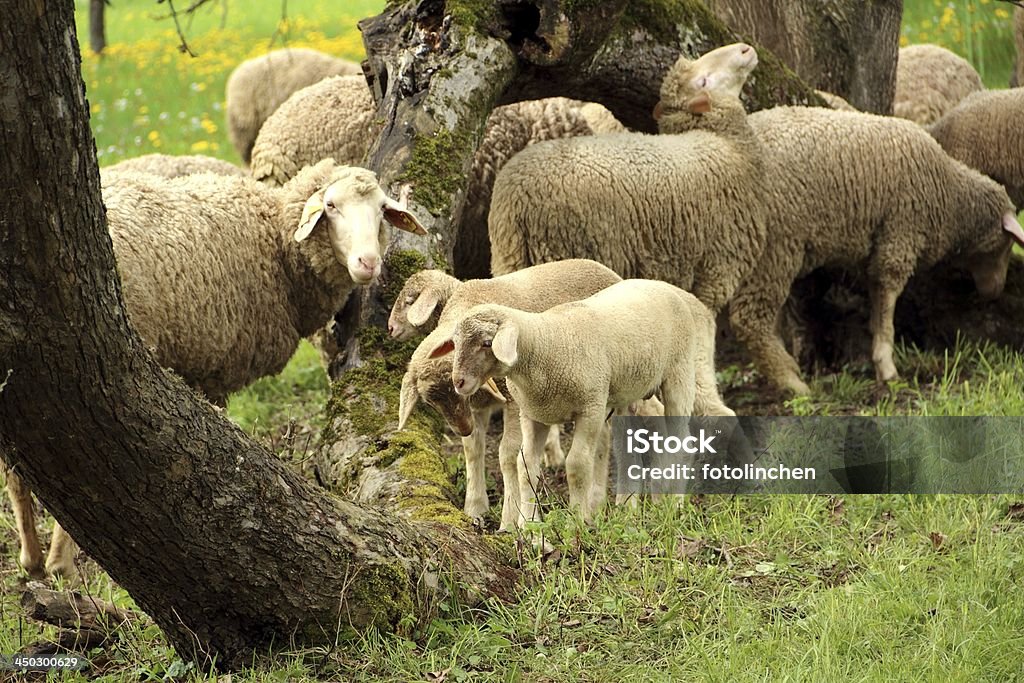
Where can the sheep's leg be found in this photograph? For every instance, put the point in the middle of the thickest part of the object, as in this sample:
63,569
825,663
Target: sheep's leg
599,483
753,314
883,307
61,559
534,436
473,447
31,557
553,455
579,464
508,458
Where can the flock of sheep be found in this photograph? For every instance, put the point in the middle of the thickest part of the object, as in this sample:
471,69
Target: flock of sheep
224,269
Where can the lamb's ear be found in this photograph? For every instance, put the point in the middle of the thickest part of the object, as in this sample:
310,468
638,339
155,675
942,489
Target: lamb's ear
311,214
443,350
1011,226
491,388
699,103
658,110
400,217
407,399
505,344
420,310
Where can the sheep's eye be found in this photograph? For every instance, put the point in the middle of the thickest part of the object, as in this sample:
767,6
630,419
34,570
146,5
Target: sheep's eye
330,204
486,343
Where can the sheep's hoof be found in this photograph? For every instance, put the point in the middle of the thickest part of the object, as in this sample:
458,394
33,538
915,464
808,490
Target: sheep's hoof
64,568
796,386
34,568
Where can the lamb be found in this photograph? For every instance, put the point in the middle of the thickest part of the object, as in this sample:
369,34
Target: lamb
986,132
222,276
608,351
335,118
418,305
685,208
170,166
600,120
532,289
872,194
931,80
257,87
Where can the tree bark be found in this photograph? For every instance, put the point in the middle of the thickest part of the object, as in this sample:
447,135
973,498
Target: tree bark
227,549
846,47
97,26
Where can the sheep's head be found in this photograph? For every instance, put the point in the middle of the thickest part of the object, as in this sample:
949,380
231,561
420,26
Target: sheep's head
485,345
722,71
430,379
423,295
990,257
353,208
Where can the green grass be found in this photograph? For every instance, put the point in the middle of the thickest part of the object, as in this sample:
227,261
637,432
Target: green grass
752,588
980,31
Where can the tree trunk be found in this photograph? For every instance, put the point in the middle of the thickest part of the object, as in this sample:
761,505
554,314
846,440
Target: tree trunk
97,27
227,549
846,47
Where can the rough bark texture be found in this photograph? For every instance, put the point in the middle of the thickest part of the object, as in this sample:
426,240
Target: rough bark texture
846,47
144,474
97,25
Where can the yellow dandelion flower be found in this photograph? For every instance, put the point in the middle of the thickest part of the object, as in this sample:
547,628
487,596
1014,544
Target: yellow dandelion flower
209,126
154,136
200,146
1001,13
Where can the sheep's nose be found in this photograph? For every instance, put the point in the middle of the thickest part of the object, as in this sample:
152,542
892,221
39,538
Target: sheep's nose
391,329
368,262
745,49
459,383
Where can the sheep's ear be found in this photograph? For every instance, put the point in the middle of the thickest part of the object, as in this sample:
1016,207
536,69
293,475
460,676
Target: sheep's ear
505,344
407,399
443,350
491,388
699,104
311,214
1011,226
400,217
421,309
658,110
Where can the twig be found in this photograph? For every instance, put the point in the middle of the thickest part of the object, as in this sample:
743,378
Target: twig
177,25
1015,3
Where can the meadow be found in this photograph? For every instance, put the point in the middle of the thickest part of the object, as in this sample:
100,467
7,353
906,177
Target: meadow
745,588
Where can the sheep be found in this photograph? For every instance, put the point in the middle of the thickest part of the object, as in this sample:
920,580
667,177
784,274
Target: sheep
986,132
1017,80
835,101
335,118
684,208
257,87
931,80
872,194
531,289
574,362
420,302
600,120
169,166
222,276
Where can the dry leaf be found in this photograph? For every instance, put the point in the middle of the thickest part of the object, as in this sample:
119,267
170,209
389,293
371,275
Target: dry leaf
938,538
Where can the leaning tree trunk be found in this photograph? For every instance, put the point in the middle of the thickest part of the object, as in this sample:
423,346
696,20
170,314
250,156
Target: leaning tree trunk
846,47
97,25
227,549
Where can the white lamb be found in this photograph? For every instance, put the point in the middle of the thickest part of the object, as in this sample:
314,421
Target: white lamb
576,361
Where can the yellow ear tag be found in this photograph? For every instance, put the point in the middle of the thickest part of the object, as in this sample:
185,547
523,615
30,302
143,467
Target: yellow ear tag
311,213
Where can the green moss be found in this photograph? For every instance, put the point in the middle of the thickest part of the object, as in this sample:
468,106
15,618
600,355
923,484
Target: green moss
436,169
482,15
400,265
382,593
661,18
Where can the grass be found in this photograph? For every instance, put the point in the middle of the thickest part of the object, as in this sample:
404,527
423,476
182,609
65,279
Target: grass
745,588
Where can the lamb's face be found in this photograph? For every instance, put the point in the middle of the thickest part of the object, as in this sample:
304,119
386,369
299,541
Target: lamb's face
439,393
415,304
472,344
354,208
